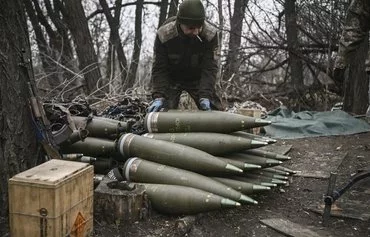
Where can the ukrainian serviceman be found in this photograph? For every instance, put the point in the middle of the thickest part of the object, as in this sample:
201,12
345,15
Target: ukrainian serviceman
185,59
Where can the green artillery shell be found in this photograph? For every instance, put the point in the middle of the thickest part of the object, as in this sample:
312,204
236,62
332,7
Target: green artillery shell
212,143
98,178
252,159
262,178
87,159
276,171
267,154
265,173
102,166
253,181
73,156
102,127
240,164
175,199
91,146
285,169
172,154
253,136
243,187
138,170
200,121
75,136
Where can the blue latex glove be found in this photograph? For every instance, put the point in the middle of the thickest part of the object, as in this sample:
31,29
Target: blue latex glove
205,104
156,105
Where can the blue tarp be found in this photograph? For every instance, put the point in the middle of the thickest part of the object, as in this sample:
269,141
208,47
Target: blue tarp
287,124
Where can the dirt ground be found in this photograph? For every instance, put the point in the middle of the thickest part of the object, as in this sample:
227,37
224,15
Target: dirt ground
288,202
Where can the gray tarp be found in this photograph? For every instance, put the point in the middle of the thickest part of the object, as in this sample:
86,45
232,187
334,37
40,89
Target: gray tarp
289,125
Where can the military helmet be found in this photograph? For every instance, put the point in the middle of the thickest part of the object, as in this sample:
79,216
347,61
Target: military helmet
191,12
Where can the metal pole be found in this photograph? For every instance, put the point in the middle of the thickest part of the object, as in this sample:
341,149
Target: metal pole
329,199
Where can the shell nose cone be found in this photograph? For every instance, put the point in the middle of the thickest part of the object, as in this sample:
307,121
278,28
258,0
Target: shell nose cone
247,199
258,143
260,187
262,122
251,166
233,168
225,202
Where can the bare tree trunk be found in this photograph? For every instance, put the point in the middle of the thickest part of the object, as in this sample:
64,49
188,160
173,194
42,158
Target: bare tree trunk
18,142
111,58
162,12
236,23
62,42
137,46
220,19
220,40
173,8
115,45
56,54
356,83
61,52
40,40
88,61
295,62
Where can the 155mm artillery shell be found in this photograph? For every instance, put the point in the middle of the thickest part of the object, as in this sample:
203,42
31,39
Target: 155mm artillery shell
262,178
276,171
267,154
101,127
212,143
253,181
252,159
243,187
200,121
72,156
138,170
75,136
91,146
291,172
253,136
240,164
175,199
172,154
265,173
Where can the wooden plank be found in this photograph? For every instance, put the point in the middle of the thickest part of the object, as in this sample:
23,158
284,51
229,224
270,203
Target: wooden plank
317,165
292,229
280,149
318,174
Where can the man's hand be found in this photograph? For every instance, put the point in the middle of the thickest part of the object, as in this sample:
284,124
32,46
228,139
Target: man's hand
156,105
205,104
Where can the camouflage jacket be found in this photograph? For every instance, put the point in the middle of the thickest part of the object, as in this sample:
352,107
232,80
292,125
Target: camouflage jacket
355,30
181,59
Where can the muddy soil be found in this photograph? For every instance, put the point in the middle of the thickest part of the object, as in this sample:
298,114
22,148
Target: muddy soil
287,202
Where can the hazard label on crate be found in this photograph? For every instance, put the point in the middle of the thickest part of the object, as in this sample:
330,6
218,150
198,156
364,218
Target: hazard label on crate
78,226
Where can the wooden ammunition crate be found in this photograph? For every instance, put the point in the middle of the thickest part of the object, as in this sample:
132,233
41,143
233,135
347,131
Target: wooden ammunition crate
256,113
52,199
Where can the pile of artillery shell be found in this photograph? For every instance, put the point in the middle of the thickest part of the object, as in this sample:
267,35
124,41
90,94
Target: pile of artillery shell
189,162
